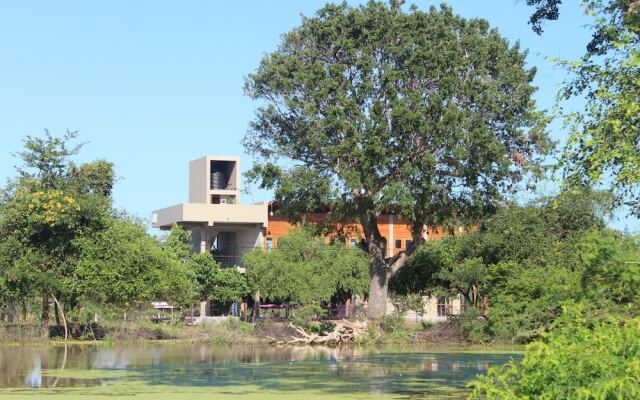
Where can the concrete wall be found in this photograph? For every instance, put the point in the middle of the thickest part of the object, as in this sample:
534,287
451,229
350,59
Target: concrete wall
198,180
200,176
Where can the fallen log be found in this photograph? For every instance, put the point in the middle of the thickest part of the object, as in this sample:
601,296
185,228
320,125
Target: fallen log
343,332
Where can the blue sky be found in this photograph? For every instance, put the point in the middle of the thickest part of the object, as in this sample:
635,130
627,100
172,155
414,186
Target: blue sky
151,85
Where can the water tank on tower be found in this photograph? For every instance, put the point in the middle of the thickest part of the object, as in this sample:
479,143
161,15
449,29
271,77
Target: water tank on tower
218,180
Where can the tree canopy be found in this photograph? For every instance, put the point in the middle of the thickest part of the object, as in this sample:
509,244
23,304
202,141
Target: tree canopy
61,237
208,280
305,269
604,142
369,107
502,261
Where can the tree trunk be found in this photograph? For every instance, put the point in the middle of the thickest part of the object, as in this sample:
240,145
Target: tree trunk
57,315
64,320
381,268
11,311
25,311
378,291
379,284
378,269
256,307
44,316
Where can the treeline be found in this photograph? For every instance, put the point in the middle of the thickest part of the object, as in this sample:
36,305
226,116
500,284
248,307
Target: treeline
65,250
522,264
69,258
550,274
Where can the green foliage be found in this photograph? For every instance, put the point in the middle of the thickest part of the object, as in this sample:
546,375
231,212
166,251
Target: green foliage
46,160
178,242
403,303
604,143
389,330
234,325
475,329
440,267
60,236
204,269
306,315
210,281
505,258
298,190
370,107
229,285
305,269
522,304
390,324
52,206
579,359
611,276
123,265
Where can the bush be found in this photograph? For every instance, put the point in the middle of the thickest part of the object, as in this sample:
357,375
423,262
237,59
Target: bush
403,303
307,314
388,330
390,324
19,332
235,325
474,327
579,359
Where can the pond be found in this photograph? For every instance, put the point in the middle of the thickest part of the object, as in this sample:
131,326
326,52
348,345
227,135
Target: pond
204,371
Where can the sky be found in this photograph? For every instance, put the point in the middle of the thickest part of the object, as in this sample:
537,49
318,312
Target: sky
151,85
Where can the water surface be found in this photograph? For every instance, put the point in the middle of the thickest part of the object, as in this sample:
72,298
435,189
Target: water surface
204,371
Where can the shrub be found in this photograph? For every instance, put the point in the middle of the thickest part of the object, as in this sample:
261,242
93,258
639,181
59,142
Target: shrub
579,359
390,324
474,327
388,330
307,314
235,325
403,303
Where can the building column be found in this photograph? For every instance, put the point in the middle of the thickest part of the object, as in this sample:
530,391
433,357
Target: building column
204,309
204,248
204,240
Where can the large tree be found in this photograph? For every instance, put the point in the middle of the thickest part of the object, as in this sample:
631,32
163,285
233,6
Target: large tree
373,108
53,203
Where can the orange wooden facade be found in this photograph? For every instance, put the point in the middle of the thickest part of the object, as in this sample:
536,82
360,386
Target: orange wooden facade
395,230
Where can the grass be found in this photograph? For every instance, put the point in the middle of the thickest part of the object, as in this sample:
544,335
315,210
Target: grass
231,331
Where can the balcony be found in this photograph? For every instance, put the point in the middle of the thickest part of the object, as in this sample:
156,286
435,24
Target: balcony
198,214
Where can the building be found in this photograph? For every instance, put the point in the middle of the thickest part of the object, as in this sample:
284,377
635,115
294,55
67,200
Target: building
220,224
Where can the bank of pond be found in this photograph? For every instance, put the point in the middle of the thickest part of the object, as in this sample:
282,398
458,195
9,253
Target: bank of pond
150,370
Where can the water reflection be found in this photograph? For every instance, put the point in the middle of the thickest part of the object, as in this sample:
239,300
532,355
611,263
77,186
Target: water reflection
34,378
383,370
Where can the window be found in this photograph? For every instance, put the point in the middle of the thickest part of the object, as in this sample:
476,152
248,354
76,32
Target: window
444,307
398,244
352,243
407,244
269,245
